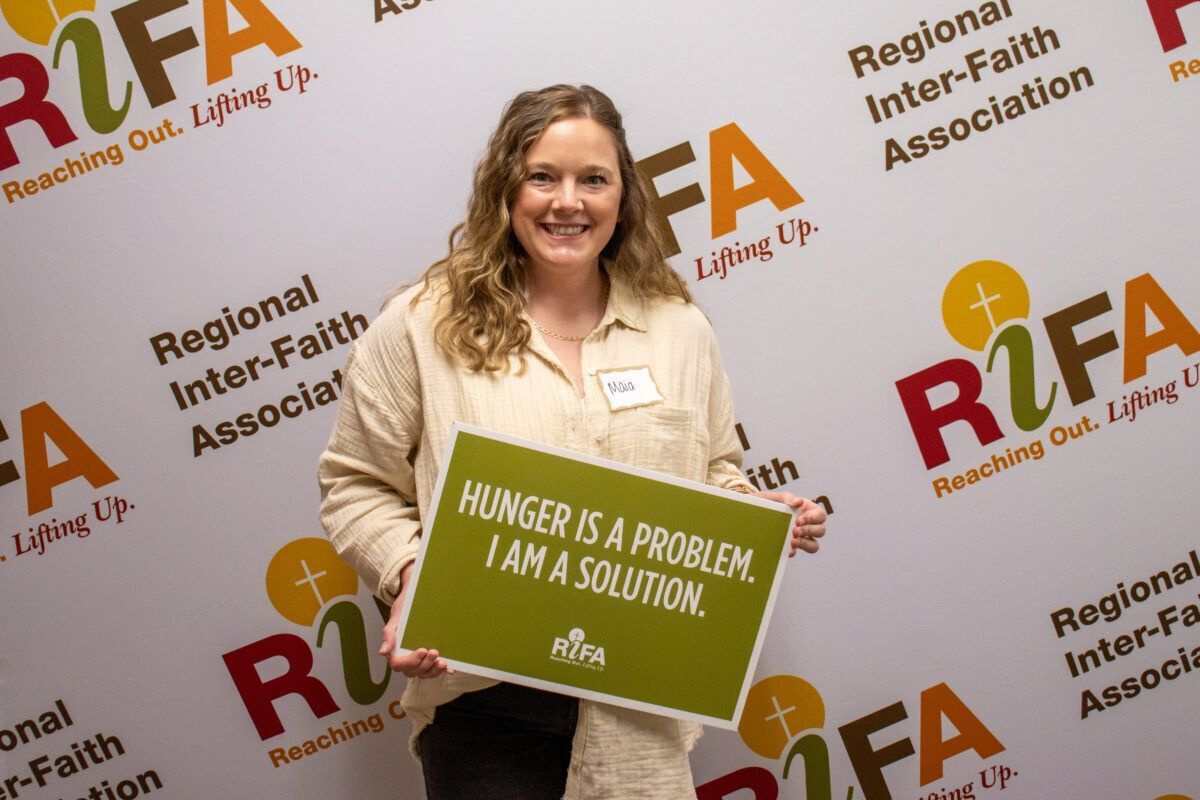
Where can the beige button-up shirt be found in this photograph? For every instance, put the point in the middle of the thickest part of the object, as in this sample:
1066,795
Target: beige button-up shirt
401,393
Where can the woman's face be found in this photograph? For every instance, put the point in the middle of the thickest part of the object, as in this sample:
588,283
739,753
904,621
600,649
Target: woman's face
566,210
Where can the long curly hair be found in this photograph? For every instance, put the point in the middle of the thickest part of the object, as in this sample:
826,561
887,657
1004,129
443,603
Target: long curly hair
484,277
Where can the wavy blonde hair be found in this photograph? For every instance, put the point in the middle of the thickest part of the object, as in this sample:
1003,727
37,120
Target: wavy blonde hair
484,277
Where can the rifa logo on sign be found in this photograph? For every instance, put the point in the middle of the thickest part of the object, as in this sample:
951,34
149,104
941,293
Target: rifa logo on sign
574,650
70,22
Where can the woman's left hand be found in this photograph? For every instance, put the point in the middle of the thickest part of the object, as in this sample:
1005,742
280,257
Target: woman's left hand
810,522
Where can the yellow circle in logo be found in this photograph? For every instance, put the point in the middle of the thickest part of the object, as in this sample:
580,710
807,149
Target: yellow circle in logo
35,20
980,298
777,708
1173,797
305,575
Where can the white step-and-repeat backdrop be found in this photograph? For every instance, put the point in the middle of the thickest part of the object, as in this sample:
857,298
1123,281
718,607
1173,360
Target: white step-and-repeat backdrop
949,251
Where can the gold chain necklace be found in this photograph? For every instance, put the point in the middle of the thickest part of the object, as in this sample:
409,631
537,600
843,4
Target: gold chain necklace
561,337
558,335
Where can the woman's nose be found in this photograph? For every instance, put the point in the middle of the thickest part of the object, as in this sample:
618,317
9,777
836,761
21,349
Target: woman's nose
567,197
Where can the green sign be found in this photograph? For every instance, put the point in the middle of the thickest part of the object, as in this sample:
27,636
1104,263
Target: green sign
591,578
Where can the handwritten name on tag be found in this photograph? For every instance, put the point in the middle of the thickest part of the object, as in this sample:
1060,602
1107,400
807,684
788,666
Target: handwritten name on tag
628,387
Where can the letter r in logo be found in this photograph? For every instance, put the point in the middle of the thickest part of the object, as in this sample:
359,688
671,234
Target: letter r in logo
757,780
1165,14
31,106
259,695
927,422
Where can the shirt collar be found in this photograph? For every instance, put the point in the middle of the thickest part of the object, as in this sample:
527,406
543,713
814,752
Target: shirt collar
623,306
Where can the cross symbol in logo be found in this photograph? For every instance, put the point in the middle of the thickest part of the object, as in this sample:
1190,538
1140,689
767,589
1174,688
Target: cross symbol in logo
985,303
779,715
311,580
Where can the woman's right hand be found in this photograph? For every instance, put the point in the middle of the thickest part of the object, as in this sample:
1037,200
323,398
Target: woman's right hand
420,663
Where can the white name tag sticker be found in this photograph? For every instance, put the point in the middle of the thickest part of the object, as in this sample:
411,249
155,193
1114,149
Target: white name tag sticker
628,387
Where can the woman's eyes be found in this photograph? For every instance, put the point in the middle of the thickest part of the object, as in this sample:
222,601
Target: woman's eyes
545,177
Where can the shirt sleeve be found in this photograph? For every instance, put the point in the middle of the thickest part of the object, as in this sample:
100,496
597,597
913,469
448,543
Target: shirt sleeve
724,448
368,485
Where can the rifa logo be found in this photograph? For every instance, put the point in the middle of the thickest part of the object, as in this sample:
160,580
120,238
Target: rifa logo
71,22
311,588
784,715
1171,35
42,426
985,308
729,148
1165,14
574,650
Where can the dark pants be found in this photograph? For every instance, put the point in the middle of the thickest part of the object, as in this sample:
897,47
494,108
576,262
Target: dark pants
505,742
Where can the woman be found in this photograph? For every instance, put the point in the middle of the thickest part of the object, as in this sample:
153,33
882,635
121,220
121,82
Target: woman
555,276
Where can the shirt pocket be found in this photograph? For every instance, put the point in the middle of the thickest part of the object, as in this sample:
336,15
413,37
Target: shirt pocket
663,438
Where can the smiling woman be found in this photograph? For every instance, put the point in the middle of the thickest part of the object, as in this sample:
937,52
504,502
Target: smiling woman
566,210
554,280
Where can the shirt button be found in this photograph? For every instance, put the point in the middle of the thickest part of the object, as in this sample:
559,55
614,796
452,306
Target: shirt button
591,372
598,438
